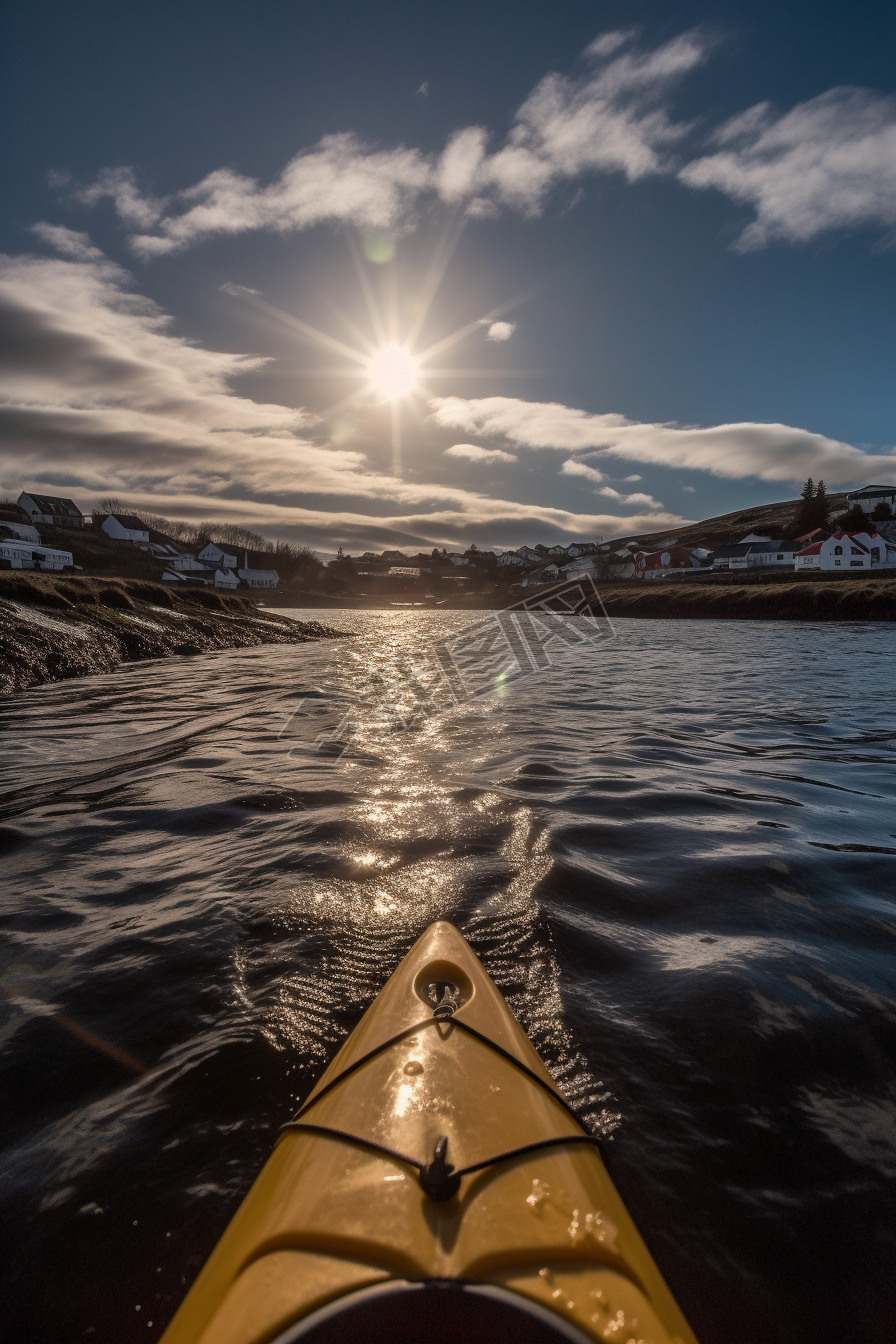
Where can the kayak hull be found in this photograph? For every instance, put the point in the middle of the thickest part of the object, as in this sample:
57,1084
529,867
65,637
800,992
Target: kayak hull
339,1217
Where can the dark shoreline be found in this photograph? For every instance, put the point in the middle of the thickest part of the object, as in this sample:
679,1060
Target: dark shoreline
54,628
756,596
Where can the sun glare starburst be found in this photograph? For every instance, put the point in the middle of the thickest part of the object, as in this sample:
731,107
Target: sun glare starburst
389,361
393,372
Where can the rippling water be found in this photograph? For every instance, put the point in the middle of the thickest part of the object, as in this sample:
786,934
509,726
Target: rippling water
675,853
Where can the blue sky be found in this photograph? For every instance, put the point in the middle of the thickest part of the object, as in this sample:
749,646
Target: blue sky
665,240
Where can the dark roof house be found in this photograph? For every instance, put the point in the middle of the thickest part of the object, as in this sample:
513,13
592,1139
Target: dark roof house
52,509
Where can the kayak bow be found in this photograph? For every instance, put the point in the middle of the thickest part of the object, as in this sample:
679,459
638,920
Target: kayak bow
434,1185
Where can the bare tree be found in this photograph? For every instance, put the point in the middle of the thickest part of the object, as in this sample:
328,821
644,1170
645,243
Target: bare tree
111,504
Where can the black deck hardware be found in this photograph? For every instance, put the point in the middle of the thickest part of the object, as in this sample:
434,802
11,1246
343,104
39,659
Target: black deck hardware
438,1180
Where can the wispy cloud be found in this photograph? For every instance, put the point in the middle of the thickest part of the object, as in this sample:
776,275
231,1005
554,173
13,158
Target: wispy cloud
119,185
236,291
68,242
770,452
829,163
471,452
637,499
573,467
611,117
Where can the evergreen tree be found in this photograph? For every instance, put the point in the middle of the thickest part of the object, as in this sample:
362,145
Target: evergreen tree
805,514
854,521
821,505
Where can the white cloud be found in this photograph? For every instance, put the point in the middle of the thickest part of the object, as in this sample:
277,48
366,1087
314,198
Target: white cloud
632,478
473,453
572,467
647,501
610,118
689,489
771,452
340,180
829,163
501,331
458,168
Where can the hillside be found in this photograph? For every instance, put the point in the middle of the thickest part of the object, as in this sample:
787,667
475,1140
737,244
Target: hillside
772,520
97,554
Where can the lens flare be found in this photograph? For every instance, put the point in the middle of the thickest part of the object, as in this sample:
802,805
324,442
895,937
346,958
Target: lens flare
393,373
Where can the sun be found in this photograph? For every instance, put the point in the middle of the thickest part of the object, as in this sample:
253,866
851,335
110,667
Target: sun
393,372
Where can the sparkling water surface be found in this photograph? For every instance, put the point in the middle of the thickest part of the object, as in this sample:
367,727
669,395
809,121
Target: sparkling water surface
675,852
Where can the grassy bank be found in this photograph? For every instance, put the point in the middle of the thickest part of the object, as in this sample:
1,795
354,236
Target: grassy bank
814,599
54,628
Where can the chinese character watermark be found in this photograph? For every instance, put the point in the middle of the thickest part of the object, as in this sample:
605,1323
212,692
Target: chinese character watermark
481,659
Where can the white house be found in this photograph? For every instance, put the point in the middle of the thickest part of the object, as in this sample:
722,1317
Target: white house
582,568
25,555
225,578
758,553
24,531
510,558
51,509
623,565
187,564
261,578
771,554
125,527
269,578
845,550
870,496
215,556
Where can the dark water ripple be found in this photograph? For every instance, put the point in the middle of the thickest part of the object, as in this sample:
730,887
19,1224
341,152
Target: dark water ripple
675,855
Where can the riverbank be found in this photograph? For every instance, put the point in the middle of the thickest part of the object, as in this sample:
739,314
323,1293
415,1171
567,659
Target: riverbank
775,598
802,600
751,596
55,628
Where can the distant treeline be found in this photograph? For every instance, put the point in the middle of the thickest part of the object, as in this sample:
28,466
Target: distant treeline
198,535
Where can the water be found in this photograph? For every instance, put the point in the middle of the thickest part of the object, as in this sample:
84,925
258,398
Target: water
674,852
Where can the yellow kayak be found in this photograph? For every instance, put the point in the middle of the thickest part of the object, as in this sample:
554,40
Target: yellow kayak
434,1186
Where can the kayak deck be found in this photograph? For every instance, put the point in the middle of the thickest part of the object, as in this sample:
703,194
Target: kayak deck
435,1151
